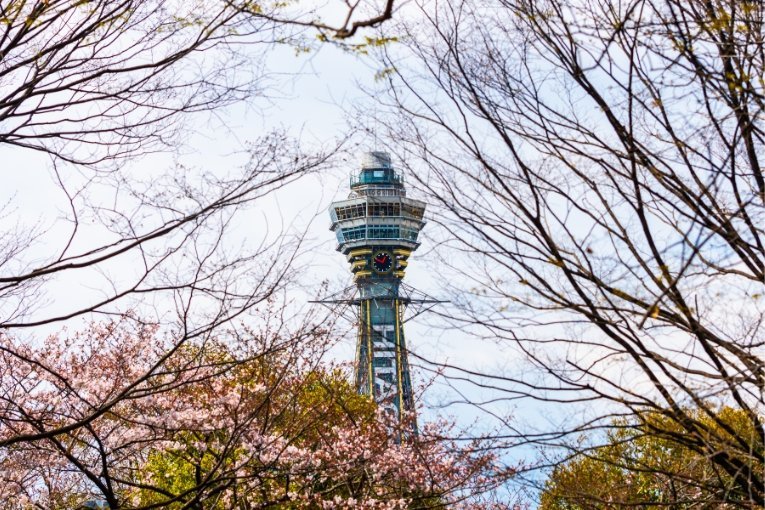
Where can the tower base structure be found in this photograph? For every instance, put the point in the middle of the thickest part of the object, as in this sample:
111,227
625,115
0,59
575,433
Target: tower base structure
382,366
380,309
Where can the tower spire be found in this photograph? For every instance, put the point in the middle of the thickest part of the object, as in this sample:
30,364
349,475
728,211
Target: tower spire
377,229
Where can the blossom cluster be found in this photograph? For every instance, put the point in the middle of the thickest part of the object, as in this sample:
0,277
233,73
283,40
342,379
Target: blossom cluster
122,415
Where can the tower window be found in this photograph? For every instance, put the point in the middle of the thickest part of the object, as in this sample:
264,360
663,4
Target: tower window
351,211
383,232
353,233
409,234
413,212
384,209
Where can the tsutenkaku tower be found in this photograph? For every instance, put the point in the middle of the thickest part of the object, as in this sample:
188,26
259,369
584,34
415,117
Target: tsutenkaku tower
377,229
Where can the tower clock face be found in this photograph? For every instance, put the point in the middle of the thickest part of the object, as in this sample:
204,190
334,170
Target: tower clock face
382,262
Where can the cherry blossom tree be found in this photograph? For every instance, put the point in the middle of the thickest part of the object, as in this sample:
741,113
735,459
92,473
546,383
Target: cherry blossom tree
216,424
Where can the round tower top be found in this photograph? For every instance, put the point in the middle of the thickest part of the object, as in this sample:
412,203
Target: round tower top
375,159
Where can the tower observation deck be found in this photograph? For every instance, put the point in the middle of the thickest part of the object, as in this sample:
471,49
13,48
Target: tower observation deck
377,229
